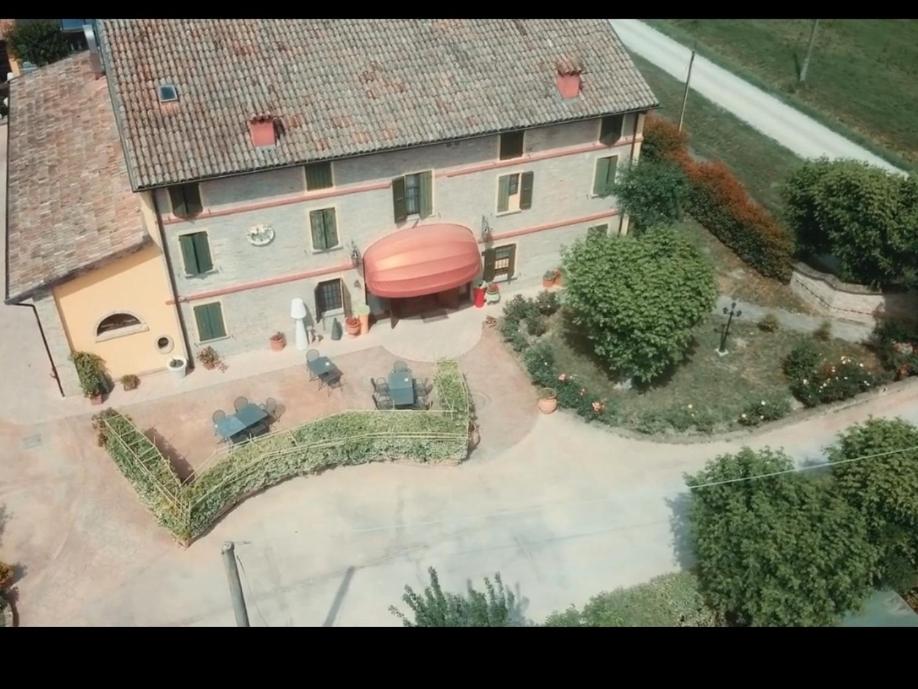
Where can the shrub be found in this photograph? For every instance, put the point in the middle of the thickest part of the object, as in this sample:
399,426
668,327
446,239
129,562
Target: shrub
38,42
720,203
652,193
209,357
638,299
519,309
824,331
761,411
769,323
497,607
548,302
830,382
663,141
540,363
130,382
90,370
536,326
6,575
784,550
802,361
863,216
681,418
896,346
671,600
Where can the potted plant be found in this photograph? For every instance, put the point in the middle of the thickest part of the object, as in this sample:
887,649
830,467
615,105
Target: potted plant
91,372
493,293
362,311
352,324
278,341
550,278
178,366
130,381
548,401
209,357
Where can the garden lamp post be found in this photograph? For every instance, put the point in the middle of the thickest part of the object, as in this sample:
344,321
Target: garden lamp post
733,313
298,313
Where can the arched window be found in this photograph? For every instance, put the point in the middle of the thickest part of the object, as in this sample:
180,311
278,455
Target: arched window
117,321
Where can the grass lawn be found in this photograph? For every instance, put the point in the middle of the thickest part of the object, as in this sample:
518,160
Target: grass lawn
721,387
737,279
760,162
862,78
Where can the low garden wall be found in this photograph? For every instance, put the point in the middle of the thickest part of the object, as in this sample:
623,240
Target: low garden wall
189,509
848,301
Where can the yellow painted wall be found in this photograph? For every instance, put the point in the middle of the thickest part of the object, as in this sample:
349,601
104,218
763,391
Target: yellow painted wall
136,284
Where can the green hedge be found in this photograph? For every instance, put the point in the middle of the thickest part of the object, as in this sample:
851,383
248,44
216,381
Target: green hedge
355,437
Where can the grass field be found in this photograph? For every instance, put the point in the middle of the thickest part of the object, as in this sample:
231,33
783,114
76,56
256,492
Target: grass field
760,162
862,79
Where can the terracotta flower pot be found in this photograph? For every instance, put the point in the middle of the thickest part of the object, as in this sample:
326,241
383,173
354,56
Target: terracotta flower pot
547,405
278,344
96,399
353,326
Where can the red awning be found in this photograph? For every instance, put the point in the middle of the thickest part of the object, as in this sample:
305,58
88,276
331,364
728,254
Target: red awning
421,260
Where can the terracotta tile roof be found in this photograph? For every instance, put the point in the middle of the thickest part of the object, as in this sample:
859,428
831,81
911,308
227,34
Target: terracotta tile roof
341,87
70,201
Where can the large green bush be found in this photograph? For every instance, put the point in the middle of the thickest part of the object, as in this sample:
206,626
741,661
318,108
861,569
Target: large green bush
671,600
638,299
90,368
814,380
865,217
38,42
652,193
784,550
495,607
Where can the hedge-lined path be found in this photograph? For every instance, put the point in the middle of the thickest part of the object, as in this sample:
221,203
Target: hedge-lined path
559,507
801,322
786,125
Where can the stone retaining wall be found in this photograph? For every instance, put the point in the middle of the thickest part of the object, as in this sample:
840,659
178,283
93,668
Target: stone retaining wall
850,302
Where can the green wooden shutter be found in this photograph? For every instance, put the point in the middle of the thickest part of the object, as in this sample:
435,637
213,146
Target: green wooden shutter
503,193
202,252
488,257
426,188
602,174
317,225
318,176
526,191
610,174
331,228
177,199
186,241
398,199
209,318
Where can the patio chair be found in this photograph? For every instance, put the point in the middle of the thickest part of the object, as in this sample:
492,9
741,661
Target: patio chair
239,403
218,415
270,407
380,385
400,366
382,401
333,381
311,355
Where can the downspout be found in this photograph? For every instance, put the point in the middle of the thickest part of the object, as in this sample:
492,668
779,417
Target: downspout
637,118
6,274
172,285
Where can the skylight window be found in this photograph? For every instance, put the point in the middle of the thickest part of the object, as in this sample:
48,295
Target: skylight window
168,93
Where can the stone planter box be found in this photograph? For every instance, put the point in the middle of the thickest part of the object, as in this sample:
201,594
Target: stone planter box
851,302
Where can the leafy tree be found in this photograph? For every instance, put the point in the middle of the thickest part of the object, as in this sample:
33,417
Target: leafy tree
884,489
671,600
778,551
38,42
653,194
862,215
496,607
638,299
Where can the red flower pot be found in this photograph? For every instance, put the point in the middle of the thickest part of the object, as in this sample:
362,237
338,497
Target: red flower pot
479,294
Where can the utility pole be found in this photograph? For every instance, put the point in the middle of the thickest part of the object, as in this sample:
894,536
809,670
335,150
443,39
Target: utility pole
687,80
232,576
809,51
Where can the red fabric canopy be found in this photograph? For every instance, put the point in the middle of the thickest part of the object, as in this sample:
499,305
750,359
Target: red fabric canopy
421,260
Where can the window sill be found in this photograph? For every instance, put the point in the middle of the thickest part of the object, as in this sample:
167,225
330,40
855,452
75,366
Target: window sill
216,339
513,212
121,332
196,276
330,250
310,191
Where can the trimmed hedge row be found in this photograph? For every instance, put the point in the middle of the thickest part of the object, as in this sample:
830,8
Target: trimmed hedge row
356,437
720,203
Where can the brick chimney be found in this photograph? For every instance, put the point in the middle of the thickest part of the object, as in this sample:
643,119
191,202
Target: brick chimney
568,79
262,131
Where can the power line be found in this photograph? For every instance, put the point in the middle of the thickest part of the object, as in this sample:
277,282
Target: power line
823,465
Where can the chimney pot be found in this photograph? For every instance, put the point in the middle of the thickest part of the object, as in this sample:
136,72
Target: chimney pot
568,79
262,131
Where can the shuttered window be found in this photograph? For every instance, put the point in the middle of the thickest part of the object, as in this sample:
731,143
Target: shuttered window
324,229
511,145
318,176
514,192
209,319
412,195
196,253
185,200
329,297
610,129
605,175
498,262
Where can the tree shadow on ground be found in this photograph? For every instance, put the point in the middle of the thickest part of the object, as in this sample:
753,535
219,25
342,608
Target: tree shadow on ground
681,529
181,465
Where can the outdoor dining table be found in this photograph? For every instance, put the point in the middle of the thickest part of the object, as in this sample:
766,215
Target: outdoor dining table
241,424
323,369
401,388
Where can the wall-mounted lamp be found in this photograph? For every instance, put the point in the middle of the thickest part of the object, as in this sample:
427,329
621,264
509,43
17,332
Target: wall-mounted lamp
355,255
